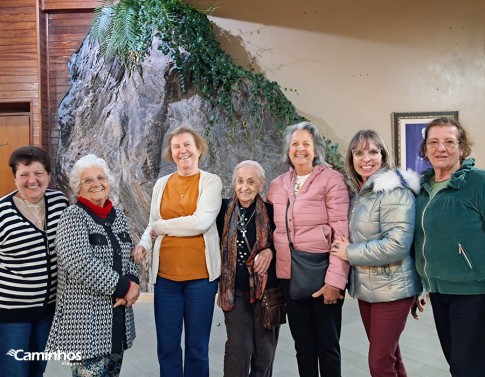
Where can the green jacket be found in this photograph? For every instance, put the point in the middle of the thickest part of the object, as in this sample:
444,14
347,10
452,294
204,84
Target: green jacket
450,233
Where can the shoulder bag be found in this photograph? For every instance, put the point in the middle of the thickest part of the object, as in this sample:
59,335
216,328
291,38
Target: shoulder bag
308,269
274,308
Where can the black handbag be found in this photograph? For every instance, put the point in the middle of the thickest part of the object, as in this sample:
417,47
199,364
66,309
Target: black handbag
307,269
274,308
307,273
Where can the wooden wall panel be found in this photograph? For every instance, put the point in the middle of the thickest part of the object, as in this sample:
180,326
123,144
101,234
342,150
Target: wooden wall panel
44,92
56,5
19,63
37,39
65,33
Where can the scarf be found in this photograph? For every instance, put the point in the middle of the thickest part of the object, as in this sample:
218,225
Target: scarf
97,210
229,253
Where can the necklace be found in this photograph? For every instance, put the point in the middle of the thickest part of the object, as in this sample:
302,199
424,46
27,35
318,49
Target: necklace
242,223
36,212
188,186
299,182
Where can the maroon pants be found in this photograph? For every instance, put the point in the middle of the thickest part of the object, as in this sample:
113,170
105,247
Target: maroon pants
384,323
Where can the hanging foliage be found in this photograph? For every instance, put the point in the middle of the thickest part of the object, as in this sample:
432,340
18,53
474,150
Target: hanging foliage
125,29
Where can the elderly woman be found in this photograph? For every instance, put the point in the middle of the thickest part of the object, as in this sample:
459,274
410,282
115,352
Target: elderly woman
449,243
311,203
98,280
248,268
381,226
28,264
186,260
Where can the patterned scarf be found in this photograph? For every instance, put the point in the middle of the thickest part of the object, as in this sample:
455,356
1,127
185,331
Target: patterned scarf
229,253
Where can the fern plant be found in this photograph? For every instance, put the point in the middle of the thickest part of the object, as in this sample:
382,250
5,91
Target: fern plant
125,29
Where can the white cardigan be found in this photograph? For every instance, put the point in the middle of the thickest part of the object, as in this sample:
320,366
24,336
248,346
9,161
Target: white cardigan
203,221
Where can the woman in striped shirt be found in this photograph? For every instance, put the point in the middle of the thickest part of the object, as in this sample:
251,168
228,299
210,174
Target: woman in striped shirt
28,264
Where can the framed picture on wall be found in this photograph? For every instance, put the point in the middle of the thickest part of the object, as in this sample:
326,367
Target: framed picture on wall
408,134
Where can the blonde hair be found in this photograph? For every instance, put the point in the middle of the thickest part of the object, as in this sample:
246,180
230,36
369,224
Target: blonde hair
362,139
200,142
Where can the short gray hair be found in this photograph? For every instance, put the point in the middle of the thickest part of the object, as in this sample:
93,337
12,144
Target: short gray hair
256,165
318,142
86,162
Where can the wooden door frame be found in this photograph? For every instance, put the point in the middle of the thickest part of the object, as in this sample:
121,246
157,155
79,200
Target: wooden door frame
19,112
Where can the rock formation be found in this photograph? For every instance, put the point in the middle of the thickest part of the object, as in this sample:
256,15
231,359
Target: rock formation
124,118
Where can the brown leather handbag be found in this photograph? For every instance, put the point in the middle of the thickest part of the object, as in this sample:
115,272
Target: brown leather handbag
274,308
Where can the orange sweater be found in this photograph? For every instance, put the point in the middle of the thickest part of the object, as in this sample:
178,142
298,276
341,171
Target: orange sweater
181,258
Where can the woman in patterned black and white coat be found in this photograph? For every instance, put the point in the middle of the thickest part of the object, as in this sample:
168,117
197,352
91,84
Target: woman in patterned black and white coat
98,280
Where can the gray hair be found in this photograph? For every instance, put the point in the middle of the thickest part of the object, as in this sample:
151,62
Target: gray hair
318,142
256,165
86,162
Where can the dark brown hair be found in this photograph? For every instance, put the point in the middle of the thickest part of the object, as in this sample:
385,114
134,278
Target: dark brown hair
464,144
27,155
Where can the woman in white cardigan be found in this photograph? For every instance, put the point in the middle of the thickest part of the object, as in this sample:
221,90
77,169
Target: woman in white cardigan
183,240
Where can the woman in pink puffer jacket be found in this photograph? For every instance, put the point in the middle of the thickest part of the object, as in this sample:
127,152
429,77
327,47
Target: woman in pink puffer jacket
315,200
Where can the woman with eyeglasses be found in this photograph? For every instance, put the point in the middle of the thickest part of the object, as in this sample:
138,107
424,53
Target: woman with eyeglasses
28,264
98,280
381,226
449,242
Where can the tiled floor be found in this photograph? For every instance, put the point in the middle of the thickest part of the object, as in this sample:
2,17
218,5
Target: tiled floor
419,346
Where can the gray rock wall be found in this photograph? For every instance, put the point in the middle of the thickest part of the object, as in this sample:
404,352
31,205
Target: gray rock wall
124,119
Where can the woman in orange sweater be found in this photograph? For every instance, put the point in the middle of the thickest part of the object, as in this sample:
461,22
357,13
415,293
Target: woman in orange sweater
183,240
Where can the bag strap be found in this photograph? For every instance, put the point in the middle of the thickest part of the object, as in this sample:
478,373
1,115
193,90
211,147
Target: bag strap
290,244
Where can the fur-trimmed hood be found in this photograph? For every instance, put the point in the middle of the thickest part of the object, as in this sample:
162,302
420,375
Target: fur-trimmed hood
389,179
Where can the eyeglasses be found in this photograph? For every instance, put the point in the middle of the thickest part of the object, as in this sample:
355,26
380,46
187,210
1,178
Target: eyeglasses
448,143
89,181
372,153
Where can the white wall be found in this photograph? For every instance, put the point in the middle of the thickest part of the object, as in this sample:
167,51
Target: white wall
353,63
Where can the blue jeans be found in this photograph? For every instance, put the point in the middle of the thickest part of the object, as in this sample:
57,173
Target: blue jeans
188,304
29,336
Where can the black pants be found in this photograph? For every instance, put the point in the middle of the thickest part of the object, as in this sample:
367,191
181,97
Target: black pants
315,328
460,323
250,348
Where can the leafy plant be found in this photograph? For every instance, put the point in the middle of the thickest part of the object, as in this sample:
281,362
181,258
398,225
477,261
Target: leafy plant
125,29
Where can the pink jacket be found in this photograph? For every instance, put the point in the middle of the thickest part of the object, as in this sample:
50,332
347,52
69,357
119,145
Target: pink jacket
316,217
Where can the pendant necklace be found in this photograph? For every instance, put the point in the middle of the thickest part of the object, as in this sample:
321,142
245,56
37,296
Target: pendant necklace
188,187
242,223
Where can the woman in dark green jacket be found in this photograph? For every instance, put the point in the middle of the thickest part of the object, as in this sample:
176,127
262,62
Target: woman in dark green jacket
450,243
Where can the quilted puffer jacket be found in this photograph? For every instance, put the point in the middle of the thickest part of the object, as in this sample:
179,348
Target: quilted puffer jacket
316,217
381,234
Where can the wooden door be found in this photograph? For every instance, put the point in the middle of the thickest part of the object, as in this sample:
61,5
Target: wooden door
14,133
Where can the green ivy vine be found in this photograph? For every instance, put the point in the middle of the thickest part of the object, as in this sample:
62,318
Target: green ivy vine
125,29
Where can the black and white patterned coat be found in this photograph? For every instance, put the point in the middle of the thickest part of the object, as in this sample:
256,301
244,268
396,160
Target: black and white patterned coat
84,313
